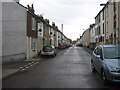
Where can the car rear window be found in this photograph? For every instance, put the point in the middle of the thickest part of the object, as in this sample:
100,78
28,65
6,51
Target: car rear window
47,48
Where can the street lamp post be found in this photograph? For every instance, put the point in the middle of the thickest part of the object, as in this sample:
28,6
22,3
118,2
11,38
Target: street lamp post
102,4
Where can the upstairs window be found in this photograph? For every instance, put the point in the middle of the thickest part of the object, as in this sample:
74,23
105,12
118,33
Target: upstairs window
99,18
33,24
103,14
103,28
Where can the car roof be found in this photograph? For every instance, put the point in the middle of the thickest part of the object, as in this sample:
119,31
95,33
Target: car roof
110,45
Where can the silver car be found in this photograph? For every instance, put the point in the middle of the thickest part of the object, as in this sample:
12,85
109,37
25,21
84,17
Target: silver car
49,51
106,60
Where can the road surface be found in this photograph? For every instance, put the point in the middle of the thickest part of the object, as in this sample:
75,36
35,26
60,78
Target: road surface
69,69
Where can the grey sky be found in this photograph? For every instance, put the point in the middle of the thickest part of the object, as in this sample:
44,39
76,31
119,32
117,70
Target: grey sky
76,15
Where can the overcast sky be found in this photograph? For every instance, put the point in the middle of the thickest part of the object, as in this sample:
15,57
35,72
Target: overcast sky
75,15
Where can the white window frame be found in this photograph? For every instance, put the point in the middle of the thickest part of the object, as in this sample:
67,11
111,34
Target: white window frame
33,24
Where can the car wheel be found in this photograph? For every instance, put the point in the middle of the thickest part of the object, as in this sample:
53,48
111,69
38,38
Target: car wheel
54,55
104,77
41,55
93,68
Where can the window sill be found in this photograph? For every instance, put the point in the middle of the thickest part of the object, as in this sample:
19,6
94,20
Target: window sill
33,30
33,50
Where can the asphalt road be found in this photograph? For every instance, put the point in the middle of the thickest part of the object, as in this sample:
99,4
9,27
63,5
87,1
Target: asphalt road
69,69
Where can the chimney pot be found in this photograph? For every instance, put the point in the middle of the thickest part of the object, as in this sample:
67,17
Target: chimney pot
28,6
32,6
53,24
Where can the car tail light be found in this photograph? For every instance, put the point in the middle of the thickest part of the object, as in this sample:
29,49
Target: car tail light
50,50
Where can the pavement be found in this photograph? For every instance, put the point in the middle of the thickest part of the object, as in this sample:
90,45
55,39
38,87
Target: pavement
8,69
11,68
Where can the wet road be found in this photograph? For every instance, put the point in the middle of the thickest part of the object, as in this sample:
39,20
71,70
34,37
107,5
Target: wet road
69,69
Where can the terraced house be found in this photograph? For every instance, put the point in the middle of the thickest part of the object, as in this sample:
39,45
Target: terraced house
40,29
32,33
107,25
108,21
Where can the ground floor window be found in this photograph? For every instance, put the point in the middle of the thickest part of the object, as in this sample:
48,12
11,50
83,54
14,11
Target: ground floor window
33,44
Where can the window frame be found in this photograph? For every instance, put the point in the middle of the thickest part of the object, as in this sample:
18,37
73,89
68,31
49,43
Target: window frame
33,24
33,45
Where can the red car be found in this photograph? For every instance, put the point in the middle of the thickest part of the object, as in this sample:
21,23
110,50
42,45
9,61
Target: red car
61,47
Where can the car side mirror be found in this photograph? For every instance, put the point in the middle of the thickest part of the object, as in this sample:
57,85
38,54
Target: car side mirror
98,56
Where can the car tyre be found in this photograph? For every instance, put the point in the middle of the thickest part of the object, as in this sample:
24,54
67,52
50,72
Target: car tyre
93,68
105,81
54,55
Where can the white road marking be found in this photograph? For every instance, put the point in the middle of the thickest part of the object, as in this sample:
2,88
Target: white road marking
36,62
29,64
67,52
32,62
22,69
26,67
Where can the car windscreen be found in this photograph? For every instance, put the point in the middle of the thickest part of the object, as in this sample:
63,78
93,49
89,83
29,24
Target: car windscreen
111,52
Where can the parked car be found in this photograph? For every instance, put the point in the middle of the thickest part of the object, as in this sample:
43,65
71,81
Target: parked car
106,60
61,46
48,50
79,45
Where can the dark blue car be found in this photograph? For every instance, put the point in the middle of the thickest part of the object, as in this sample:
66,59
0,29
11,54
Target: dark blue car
106,60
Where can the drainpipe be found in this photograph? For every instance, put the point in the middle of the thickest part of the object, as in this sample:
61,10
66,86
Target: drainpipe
118,22
119,31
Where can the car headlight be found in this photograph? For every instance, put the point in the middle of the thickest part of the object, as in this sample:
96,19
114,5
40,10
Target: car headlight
114,69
